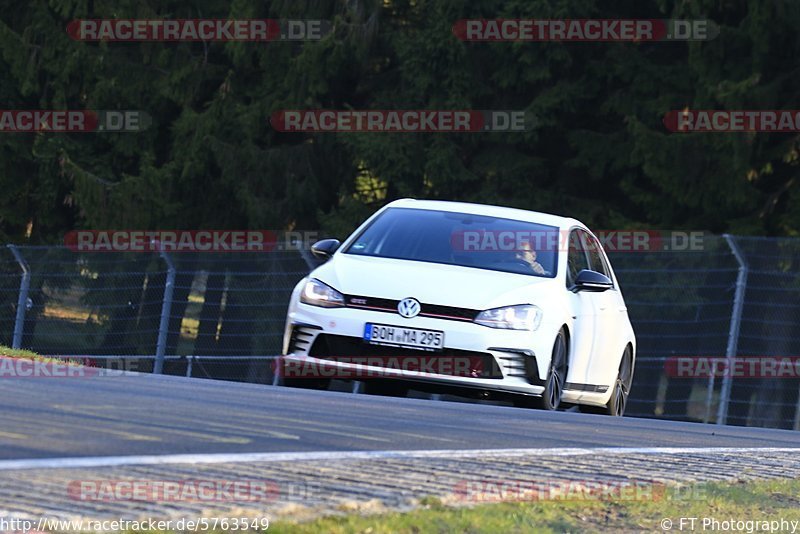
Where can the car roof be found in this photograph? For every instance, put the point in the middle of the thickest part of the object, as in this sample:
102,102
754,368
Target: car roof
485,209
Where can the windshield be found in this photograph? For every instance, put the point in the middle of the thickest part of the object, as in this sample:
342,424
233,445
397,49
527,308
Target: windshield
461,239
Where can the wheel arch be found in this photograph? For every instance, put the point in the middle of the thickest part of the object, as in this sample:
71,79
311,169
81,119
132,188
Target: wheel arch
567,340
630,345
568,335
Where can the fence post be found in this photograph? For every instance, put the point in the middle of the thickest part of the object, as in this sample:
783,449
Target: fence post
709,397
733,332
166,307
797,415
22,299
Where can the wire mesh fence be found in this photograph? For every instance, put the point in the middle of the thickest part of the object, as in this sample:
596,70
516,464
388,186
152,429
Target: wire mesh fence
683,306
736,297
226,309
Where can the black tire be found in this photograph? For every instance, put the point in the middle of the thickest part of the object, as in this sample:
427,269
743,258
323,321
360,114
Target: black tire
387,387
306,383
556,376
622,387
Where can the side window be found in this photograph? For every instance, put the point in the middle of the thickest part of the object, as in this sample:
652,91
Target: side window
596,261
576,257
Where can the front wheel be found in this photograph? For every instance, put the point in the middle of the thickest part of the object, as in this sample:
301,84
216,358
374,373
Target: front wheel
556,376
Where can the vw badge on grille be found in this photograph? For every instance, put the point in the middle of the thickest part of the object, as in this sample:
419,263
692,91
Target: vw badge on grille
408,308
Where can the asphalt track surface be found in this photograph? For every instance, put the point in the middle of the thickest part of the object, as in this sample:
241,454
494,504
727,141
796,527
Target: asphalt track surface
62,417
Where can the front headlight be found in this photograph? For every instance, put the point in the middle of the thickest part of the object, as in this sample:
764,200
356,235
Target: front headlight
522,317
318,294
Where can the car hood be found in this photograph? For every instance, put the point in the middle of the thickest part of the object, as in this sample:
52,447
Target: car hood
432,283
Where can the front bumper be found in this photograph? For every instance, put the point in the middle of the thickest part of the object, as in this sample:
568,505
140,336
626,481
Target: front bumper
331,340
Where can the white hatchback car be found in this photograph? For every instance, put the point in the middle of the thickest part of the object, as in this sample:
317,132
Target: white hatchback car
485,299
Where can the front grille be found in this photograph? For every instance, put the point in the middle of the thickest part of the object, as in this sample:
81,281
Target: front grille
454,362
371,303
426,310
449,312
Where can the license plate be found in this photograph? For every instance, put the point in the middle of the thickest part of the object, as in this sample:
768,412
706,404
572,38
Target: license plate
384,334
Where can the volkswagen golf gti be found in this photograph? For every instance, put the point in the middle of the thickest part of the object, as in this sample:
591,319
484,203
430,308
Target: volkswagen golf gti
483,299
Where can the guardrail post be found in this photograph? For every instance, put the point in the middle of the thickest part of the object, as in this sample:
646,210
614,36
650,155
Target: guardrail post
22,299
733,332
166,307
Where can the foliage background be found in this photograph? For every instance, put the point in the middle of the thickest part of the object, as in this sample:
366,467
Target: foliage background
210,160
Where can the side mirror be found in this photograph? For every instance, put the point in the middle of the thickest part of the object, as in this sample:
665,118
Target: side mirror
591,281
323,250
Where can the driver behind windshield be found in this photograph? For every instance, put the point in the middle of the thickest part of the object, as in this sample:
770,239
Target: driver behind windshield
526,253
